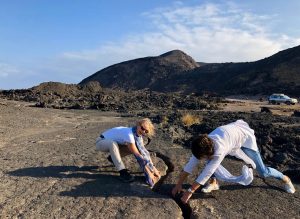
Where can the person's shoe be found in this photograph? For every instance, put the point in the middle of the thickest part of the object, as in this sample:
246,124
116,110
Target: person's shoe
125,176
109,159
289,187
210,187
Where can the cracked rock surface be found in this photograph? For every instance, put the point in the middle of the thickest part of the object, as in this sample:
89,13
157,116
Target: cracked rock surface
50,169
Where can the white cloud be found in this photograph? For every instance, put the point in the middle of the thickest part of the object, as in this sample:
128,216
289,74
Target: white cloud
208,32
7,70
16,77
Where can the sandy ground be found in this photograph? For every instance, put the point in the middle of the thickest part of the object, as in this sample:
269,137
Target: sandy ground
49,169
254,105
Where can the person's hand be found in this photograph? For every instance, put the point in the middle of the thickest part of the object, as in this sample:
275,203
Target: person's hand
152,175
155,179
156,172
186,196
177,189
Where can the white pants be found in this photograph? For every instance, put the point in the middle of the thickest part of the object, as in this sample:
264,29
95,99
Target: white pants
116,151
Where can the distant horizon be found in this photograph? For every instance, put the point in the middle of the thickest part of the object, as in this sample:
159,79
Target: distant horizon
63,41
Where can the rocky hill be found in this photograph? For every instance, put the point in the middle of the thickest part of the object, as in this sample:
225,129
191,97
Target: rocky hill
144,72
176,71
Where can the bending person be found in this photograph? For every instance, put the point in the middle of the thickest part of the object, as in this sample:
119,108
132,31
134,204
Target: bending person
236,139
123,141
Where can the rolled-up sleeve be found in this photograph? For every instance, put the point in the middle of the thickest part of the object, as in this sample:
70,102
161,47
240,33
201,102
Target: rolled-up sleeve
209,169
191,164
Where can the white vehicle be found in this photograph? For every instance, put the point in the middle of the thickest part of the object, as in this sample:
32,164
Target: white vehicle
281,98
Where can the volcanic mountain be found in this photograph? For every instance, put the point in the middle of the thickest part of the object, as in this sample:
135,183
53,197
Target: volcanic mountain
176,71
144,72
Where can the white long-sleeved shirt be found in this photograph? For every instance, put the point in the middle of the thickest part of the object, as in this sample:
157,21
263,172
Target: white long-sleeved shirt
227,140
121,135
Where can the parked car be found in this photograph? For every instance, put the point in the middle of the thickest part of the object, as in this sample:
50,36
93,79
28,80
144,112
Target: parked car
281,98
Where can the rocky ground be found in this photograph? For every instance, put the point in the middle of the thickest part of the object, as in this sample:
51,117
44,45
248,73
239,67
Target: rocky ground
50,169
93,96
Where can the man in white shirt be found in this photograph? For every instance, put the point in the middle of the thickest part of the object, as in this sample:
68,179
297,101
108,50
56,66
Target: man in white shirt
236,139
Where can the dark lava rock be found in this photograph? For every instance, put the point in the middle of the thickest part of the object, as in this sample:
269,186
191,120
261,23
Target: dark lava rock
279,145
296,113
281,158
294,174
92,96
265,110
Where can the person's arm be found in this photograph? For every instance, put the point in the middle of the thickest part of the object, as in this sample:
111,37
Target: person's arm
154,175
156,172
152,167
178,188
133,149
187,170
188,194
209,169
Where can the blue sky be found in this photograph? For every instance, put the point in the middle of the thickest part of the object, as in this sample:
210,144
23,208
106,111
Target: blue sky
68,40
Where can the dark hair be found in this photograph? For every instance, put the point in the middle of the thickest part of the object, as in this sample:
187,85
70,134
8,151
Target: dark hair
202,145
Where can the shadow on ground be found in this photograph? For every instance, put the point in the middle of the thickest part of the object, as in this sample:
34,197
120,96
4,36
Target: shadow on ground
99,183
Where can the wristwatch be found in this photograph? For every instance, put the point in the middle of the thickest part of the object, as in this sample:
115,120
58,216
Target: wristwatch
190,190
